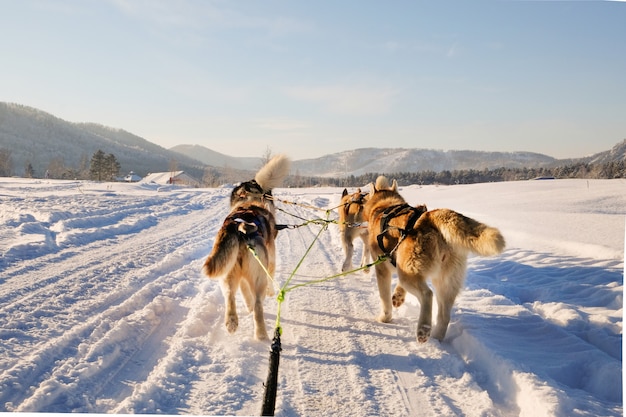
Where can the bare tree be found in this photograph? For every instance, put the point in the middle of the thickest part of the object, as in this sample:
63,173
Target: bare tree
173,166
57,169
210,177
6,163
267,155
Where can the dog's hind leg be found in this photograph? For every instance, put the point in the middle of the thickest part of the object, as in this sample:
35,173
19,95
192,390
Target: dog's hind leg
417,286
444,305
271,269
366,253
383,278
260,332
348,249
447,287
247,293
230,284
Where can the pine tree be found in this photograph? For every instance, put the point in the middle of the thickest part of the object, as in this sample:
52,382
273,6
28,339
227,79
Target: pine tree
111,167
29,171
97,166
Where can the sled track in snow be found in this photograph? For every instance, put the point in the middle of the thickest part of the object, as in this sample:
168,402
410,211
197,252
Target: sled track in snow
122,288
335,355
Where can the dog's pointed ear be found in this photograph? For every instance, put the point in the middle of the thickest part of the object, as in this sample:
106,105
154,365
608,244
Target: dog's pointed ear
372,188
358,190
394,185
345,192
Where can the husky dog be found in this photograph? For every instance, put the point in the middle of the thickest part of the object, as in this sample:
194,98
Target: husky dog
350,227
423,244
251,223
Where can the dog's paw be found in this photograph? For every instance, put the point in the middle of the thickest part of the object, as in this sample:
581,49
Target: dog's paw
262,336
231,323
439,333
384,318
397,299
346,267
423,333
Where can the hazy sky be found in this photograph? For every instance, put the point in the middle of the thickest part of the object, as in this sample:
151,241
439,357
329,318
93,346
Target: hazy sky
309,78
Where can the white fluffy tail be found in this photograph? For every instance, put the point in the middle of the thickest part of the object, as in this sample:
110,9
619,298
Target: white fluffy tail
272,174
382,183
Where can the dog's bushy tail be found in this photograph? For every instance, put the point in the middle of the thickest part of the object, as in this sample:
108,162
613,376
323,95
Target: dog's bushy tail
223,256
272,174
459,230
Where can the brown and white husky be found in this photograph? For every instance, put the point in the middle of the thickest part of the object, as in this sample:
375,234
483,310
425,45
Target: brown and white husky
251,222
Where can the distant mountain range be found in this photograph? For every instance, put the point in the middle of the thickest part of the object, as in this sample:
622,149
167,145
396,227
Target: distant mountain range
393,160
216,159
36,137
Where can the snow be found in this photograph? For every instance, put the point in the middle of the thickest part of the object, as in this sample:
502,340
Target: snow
103,308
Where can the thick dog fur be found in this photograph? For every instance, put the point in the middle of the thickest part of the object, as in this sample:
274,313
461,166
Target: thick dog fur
436,246
350,227
250,222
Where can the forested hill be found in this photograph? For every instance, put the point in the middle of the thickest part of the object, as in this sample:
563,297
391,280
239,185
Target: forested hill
40,139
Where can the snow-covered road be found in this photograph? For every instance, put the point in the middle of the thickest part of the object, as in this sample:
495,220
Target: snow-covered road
103,308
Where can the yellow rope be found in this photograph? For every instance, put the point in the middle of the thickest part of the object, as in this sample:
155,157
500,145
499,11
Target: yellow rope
282,292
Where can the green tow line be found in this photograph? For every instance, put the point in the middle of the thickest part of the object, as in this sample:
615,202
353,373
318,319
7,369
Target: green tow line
271,384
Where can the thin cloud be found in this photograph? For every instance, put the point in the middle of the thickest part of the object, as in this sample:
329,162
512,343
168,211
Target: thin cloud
280,124
436,48
452,51
208,15
347,99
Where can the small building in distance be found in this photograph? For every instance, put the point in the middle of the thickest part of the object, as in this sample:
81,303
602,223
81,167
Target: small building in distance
172,177
132,177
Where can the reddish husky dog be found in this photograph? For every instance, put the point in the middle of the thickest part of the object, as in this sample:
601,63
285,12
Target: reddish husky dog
423,244
351,226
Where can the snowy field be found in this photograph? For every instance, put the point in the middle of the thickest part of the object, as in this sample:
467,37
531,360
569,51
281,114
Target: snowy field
103,308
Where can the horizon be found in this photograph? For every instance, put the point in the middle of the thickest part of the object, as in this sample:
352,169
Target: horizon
416,148
296,78
395,148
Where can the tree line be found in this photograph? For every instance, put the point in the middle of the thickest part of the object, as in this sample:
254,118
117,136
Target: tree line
105,167
101,167
606,170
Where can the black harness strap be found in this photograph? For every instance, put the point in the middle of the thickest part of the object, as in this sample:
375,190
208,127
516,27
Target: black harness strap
359,201
250,216
394,211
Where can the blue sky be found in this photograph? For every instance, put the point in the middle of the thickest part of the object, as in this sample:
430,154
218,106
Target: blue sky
309,78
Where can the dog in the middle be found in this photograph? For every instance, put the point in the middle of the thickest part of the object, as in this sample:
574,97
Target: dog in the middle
251,223
351,227
422,244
